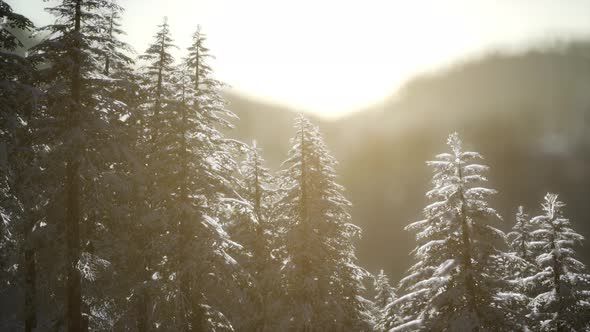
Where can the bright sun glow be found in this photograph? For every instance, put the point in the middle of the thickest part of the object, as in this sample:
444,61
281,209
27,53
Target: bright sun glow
335,57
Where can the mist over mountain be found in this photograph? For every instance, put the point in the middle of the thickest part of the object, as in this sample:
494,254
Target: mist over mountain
527,113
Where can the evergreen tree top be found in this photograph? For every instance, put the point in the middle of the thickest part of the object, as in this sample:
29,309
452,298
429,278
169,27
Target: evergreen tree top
158,52
9,21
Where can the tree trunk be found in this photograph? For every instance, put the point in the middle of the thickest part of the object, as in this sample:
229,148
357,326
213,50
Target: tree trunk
74,294
143,301
193,318
23,192
556,274
183,233
107,60
261,244
306,228
30,286
466,239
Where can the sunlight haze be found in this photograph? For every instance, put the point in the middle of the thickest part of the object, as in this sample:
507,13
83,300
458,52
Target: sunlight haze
335,57
368,166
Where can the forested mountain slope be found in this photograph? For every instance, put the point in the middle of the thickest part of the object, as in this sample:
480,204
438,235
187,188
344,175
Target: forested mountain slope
528,113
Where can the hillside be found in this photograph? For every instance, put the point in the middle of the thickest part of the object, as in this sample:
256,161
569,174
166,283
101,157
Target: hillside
527,113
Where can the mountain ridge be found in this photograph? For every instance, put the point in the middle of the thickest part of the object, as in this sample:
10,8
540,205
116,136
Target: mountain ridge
527,113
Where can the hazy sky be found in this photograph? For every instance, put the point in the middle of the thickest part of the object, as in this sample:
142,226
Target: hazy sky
336,56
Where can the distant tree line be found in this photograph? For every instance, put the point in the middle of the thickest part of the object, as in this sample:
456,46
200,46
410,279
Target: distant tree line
124,207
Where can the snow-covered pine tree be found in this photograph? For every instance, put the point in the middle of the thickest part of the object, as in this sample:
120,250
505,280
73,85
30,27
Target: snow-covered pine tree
19,194
11,21
63,50
253,226
520,237
78,130
192,166
564,303
157,93
15,92
213,277
259,186
520,240
323,283
157,76
384,295
117,192
114,51
456,284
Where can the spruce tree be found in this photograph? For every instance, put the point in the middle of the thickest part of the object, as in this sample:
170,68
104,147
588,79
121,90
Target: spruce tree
114,52
12,22
563,305
213,276
116,189
520,237
456,283
65,53
252,225
19,194
157,90
192,169
384,296
78,127
521,243
323,282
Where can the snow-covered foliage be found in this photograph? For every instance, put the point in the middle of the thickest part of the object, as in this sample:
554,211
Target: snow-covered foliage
17,100
323,283
254,227
191,167
384,295
521,242
520,238
456,282
77,140
124,207
563,305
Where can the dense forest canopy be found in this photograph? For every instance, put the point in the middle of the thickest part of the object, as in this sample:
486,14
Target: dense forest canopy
128,204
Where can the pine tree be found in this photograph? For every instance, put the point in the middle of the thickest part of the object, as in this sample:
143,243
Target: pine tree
15,109
520,237
69,51
192,167
19,199
520,241
78,126
209,172
323,283
159,68
11,21
563,305
114,52
156,79
384,295
456,283
254,228
115,189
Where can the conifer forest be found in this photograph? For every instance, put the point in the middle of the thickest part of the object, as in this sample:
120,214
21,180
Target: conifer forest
129,203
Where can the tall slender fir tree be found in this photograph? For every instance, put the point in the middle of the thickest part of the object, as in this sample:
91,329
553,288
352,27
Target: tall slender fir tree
323,283
563,305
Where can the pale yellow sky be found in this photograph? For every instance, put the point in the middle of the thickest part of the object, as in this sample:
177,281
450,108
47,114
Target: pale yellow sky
333,57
